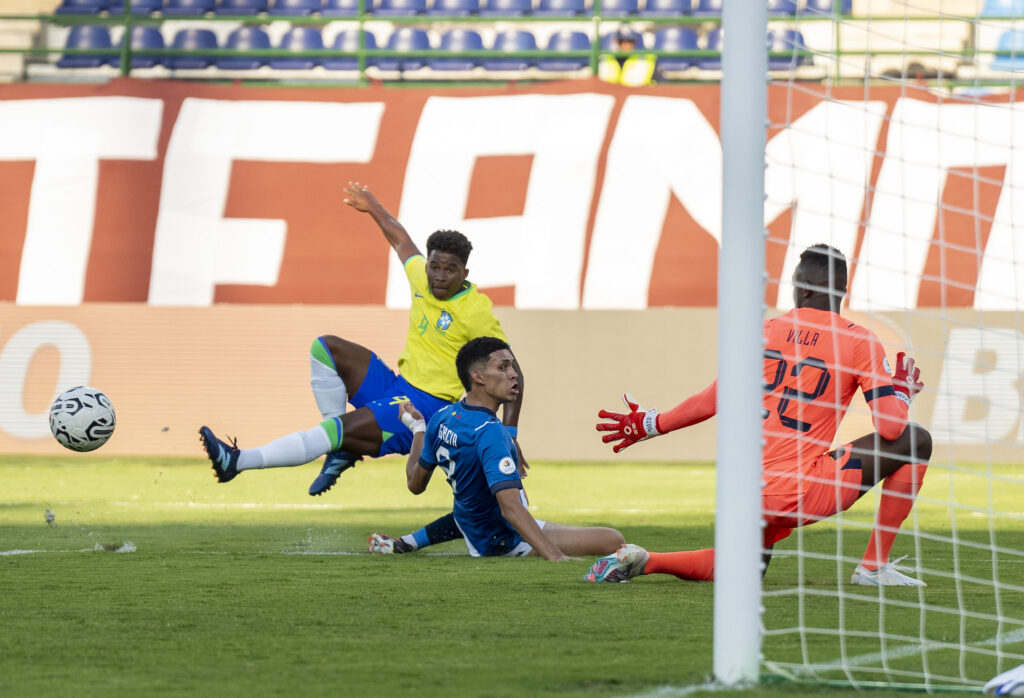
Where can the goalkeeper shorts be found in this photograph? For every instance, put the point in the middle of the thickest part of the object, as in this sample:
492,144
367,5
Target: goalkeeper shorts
829,484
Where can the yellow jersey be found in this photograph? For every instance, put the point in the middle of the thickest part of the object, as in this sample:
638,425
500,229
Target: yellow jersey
438,329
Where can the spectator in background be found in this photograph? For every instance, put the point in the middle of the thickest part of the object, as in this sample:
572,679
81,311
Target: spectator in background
628,68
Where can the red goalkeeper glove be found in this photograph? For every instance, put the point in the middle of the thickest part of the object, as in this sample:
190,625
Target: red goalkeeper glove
629,428
906,381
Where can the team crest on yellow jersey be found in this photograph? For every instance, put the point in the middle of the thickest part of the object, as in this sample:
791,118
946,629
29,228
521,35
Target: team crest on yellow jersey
445,321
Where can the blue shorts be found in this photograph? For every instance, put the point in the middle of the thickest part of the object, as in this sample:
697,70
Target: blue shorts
383,391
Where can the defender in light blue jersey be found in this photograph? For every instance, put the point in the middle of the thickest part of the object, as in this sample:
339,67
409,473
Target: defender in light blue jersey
470,445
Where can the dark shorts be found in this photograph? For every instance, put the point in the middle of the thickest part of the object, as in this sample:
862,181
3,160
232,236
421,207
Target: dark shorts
383,391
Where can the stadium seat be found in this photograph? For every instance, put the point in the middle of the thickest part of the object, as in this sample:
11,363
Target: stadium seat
713,43
1012,40
665,8
454,8
188,7
782,7
344,8
144,38
675,39
299,39
245,39
456,41
560,8
194,40
295,8
405,39
81,7
506,8
401,8
509,42
240,7
708,7
566,41
618,8
139,7
825,7
87,36
786,41
348,40
1003,8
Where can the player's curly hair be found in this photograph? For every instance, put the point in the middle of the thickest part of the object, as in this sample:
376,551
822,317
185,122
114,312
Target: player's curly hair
829,262
472,353
451,241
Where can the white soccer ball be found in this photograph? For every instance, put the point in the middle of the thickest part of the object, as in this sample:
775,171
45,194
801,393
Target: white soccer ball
82,418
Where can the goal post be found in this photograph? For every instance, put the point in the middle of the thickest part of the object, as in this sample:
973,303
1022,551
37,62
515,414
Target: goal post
737,598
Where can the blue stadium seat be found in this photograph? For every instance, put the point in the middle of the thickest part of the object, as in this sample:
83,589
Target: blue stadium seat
619,8
195,40
708,7
782,7
713,43
139,7
510,41
87,36
405,39
1012,40
245,39
665,8
296,8
344,8
560,8
456,41
566,41
299,39
240,7
787,41
81,7
188,7
506,8
348,40
675,39
401,8
454,8
1003,8
826,7
144,38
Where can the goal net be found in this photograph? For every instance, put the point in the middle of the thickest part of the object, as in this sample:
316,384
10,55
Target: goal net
896,135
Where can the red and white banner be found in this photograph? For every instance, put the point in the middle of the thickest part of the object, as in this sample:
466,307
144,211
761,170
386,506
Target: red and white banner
575,195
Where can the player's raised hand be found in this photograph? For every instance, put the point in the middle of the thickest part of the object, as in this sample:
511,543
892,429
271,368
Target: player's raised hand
411,417
359,197
627,429
907,378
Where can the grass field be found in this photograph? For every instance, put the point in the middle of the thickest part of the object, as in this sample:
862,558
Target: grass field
255,588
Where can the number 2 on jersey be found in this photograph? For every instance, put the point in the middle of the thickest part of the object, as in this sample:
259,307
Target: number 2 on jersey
790,393
447,465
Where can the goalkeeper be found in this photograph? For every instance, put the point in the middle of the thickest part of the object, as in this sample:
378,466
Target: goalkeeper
814,362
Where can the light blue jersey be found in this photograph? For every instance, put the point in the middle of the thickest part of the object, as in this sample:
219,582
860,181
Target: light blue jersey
479,458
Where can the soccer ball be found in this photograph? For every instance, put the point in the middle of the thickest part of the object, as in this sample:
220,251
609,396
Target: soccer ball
82,418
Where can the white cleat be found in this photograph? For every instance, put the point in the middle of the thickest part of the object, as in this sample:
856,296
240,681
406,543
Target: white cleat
621,566
888,575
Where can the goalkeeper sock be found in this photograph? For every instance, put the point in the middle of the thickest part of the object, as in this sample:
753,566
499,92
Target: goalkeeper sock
297,448
899,491
328,389
697,565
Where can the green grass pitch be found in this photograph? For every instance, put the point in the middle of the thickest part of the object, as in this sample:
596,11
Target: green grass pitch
255,588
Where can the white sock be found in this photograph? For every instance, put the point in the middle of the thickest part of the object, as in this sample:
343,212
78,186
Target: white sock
297,448
408,538
328,389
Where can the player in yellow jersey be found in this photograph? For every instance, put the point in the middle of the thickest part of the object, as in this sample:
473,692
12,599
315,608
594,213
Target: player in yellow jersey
447,311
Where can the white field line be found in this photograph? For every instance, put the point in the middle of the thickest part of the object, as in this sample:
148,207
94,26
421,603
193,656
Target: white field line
677,691
126,547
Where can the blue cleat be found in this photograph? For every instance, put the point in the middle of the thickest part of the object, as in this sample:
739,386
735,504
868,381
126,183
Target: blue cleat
335,464
223,457
621,566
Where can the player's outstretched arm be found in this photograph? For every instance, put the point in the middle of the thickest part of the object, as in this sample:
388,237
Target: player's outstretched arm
519,518
360,198
638,424
416,477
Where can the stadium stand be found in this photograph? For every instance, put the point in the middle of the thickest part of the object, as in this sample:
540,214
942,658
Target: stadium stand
619,8
786,41
138,7
456,41
665,8
245,39
143,38
405,39
401,8
348,40
560,8
454,8
86,36
1013,41
196,40
566,40
506,8
675,39
293,8
82,7
240,7
297,39
708,8
508,42
712,42
188,7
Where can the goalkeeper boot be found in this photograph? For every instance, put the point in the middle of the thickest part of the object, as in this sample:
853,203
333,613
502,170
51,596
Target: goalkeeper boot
223,457
335,464
621,566
382,544
888,575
